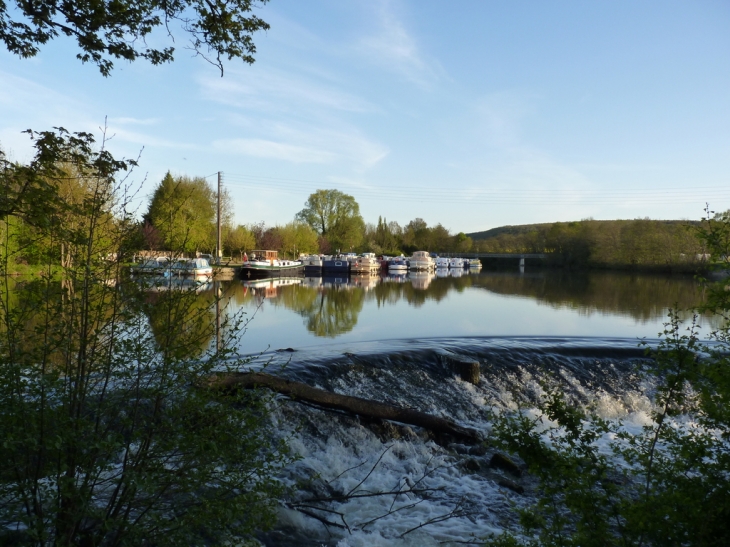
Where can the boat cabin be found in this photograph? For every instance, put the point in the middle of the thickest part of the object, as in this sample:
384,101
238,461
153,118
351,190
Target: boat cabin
264,255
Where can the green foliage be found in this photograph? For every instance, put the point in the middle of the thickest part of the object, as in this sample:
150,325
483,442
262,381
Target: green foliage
640,243
668,484
335,216
110,30
297,238
107,436
183,211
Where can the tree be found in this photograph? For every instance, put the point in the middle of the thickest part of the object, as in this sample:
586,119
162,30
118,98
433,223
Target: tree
298,237
183,210
336,217
601,484
239,240
107,30
108,437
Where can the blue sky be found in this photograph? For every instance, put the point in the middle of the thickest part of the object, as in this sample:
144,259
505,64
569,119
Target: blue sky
474,114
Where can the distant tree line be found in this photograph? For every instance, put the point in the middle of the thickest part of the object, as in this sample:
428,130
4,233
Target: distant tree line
639,243
182,216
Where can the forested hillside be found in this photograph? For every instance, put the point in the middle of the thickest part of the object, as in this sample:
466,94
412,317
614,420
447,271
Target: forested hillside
640,243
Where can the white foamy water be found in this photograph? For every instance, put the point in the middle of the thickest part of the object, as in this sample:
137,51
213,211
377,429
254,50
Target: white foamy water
406,489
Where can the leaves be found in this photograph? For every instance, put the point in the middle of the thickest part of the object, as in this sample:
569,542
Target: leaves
118,29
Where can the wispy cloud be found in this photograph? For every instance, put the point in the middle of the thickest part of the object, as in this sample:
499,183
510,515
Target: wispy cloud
262,148
275,90
308,145
134,121
392,46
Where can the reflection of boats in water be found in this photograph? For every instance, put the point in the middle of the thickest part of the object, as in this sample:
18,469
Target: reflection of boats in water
269,287
312,282
396,277
267,264
421,279
442,272
366,282
332,280
161,283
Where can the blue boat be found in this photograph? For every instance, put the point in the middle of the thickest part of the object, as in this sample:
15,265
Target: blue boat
336,265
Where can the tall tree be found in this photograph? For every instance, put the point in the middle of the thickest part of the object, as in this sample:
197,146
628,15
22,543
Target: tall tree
335,216
182,210
106,30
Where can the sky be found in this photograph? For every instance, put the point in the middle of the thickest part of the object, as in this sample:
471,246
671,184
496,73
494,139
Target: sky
473,114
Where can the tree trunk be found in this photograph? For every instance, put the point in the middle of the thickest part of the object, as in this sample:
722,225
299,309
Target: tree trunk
355,405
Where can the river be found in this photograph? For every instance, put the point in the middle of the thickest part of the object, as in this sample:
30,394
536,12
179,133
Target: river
395,340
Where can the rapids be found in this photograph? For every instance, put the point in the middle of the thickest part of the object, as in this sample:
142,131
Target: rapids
404,487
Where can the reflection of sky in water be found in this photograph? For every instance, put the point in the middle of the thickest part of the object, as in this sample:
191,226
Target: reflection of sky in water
469,311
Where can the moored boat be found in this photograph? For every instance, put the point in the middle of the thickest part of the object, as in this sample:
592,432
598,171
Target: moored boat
336,265
313,265
398,264
442,262
267,264
365,263
475,264
198,268
152,266
421,260
456,263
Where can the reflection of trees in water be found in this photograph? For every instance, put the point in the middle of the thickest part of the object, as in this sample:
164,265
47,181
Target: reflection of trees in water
335,311
391,292
643,297
328,311
181,319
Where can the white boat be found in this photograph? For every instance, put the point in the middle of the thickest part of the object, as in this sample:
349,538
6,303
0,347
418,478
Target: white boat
313,264
456,263
152,266
365,263
398,264
442,262
267,264
192,267
475,264
421,260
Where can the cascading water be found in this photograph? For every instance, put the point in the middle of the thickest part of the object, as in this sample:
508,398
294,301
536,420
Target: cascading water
360,482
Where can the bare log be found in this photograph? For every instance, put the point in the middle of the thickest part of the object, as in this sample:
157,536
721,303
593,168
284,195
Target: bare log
354,405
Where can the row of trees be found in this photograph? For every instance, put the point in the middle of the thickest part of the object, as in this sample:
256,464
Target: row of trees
640,243
182,215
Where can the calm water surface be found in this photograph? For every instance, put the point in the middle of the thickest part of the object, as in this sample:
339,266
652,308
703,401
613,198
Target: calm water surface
306,312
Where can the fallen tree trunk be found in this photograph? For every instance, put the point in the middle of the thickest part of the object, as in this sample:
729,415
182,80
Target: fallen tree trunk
355,405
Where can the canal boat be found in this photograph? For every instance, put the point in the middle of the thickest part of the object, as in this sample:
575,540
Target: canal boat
456,263
266,263
313,265
197,268
442,262
336,265
152,266
398,264
421,260
366,263
475,264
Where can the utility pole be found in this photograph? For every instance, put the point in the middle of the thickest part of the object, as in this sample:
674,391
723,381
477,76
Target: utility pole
219,250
